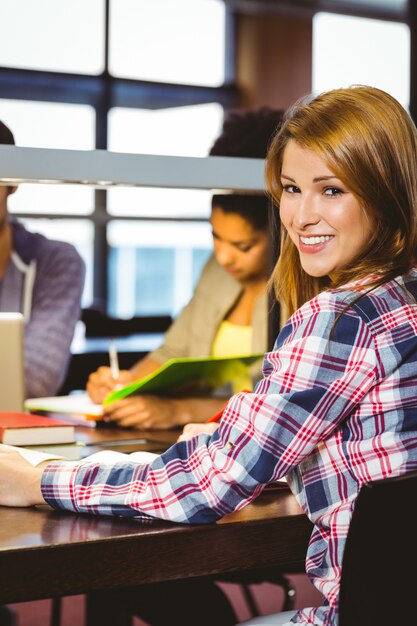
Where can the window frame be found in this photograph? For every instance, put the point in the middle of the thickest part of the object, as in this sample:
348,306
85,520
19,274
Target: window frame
103,92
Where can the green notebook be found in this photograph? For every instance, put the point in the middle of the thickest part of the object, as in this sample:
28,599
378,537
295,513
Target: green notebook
207,372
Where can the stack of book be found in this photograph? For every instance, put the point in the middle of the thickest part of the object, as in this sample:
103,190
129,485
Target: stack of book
36,432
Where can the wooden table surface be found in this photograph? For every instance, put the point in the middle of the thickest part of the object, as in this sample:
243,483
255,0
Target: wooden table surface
46,553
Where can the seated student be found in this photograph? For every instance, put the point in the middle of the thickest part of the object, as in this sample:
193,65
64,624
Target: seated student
337,405
43,280
226,315
228,312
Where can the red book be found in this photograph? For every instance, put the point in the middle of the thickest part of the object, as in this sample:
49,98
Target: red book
25,429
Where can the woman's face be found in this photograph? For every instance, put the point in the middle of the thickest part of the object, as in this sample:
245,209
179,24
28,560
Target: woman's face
323,218
241,250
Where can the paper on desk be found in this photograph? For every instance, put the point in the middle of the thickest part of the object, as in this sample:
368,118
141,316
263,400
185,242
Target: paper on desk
34,456
104,456
77,404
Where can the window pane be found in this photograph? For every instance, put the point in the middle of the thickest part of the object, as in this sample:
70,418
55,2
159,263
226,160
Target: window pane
54,199
54,35
153,266
78,232
183,131
51,125
353,50
180,131
162,40
151,202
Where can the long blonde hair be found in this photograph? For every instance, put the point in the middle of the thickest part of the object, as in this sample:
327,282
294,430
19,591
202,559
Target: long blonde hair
369,142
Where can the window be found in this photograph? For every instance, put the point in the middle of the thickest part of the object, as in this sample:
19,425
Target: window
51,125
154,266
54,35
63,85
172,42
181,131
352,50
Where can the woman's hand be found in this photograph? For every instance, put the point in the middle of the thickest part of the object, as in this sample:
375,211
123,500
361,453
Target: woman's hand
146,412
190,430
20,481
101,383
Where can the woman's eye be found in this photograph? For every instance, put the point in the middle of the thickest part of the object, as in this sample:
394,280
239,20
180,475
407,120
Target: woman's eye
332,192
291,189
244,248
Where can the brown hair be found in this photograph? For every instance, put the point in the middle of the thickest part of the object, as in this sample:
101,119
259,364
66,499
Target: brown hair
6,135
369,141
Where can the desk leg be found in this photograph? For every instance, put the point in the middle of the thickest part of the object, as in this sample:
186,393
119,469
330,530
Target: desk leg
56,612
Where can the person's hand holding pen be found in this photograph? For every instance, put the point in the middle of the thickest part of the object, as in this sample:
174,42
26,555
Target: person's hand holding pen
114,360
107,379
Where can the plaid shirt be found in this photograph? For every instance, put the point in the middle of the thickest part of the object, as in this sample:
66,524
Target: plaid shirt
337,407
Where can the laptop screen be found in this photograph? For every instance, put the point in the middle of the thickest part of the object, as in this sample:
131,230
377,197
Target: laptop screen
12,365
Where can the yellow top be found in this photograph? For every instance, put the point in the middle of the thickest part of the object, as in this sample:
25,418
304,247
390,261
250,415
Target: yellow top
233,339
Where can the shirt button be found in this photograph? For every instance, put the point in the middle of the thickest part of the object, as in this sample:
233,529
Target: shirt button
230,445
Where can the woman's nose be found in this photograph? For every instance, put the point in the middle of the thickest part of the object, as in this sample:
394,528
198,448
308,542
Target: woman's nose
224,254
306,212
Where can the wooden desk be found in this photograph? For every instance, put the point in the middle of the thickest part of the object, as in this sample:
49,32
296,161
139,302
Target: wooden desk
124,440
46,553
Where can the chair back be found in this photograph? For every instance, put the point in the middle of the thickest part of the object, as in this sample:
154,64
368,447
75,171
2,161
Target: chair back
379,571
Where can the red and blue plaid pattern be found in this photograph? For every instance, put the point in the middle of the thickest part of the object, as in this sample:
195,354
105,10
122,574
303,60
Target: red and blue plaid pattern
337,407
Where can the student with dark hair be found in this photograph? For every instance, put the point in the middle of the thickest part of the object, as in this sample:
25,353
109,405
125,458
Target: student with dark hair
228,312
42,279
247,133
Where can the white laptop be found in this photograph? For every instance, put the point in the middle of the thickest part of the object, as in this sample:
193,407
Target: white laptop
12,364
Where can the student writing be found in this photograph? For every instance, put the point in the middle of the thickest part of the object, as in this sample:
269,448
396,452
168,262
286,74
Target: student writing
227,314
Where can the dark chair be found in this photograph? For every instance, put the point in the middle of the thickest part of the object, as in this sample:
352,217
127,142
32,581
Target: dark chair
8,616
248,581
379,578
98,324
276,578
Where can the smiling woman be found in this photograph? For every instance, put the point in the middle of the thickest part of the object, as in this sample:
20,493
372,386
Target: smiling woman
317,416
351,193
325,221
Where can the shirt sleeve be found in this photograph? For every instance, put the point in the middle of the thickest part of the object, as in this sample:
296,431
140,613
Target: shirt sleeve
315,377
56,304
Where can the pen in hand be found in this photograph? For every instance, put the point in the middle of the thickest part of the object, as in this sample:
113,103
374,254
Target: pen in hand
114,360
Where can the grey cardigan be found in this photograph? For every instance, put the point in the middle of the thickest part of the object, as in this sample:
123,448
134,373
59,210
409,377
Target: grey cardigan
44,280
